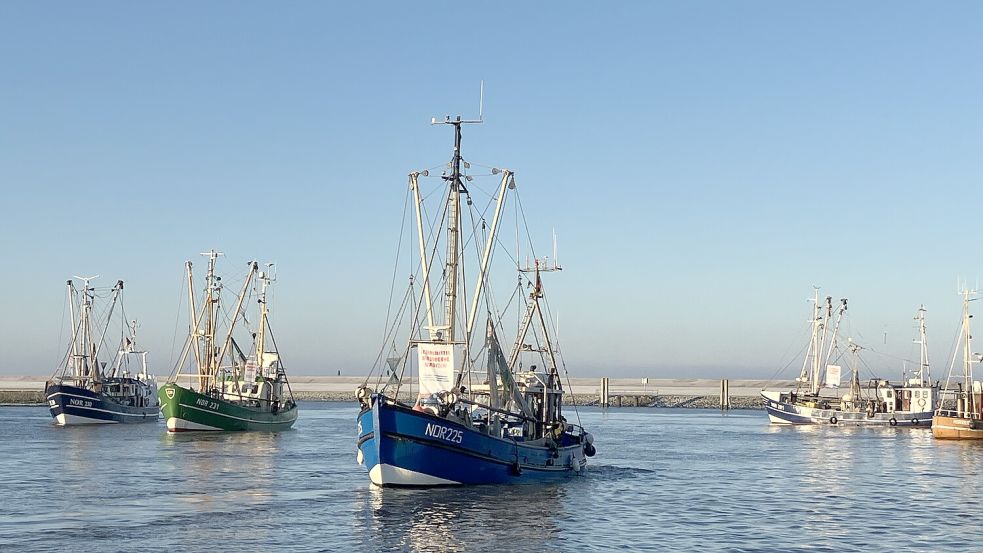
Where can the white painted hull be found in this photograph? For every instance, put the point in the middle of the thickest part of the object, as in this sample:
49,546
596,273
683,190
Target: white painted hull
388,475
64,419
180,425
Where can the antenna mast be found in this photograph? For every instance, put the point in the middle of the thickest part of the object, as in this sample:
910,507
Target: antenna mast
85,358
213,288
453,225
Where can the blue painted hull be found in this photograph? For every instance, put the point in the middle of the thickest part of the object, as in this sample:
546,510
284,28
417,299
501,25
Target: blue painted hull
403,447
71,405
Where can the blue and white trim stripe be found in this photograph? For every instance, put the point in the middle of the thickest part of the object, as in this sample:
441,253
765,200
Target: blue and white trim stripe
71,405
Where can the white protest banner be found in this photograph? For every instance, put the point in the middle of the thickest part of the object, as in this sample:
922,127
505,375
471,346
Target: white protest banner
436,363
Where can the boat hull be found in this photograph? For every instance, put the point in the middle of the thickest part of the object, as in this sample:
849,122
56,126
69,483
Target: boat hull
402,447
189,411
784,412
73,405
953,427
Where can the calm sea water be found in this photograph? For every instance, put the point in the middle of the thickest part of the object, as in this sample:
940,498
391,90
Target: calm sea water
675,479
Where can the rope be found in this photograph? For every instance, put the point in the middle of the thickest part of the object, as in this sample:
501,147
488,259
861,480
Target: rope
177,323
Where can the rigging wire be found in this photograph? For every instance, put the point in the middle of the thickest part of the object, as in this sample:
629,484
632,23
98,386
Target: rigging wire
177,320
399,244
395,322
955,352
280,370
61,326
793,359
76,327
122,335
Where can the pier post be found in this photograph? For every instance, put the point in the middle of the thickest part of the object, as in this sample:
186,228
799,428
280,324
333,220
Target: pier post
724,395
605,400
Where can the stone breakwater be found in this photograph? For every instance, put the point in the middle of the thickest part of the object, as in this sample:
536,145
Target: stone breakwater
633,400
21,397
623,392
36,397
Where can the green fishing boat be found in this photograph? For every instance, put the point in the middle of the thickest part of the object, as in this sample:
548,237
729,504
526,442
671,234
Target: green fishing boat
219,384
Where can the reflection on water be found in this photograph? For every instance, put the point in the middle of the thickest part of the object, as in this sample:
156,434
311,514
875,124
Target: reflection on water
222,471
456,519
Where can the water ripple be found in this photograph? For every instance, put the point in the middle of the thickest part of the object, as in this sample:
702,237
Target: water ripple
663,480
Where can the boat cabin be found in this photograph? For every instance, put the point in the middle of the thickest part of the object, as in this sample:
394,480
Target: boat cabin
892,398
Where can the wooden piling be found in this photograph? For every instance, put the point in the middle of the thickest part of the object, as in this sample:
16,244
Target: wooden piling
724,395
605,399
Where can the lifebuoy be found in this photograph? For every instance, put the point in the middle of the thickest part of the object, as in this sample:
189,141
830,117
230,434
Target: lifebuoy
832,420
914,422
893,421
921,403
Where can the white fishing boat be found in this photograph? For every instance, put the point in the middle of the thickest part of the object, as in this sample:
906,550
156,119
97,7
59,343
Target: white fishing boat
962,417
481,415
880,402
83,391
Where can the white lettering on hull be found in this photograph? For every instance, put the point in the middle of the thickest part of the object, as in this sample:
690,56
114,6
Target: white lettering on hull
444,433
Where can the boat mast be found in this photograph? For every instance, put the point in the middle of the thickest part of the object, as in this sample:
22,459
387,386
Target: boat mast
133,345
424,261
86,331
552,406
193,323
453,235
836,329
266,280
924,374
85,356
453,227
855,377
74,353
968,355
507,182
812,343
97,347
253,266
821,344
213,288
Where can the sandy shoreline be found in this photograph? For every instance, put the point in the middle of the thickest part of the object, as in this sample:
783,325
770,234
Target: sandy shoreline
654,392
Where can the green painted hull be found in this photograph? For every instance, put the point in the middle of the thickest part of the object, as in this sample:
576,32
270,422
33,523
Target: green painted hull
188,411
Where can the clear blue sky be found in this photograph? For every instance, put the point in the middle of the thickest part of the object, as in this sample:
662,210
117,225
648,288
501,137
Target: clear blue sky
707,163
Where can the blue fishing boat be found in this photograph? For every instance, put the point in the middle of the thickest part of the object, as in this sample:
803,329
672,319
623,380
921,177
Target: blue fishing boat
451,406
84,390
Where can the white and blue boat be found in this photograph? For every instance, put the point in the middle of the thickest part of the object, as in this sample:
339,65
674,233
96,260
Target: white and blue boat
814,400
452,407
83,390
